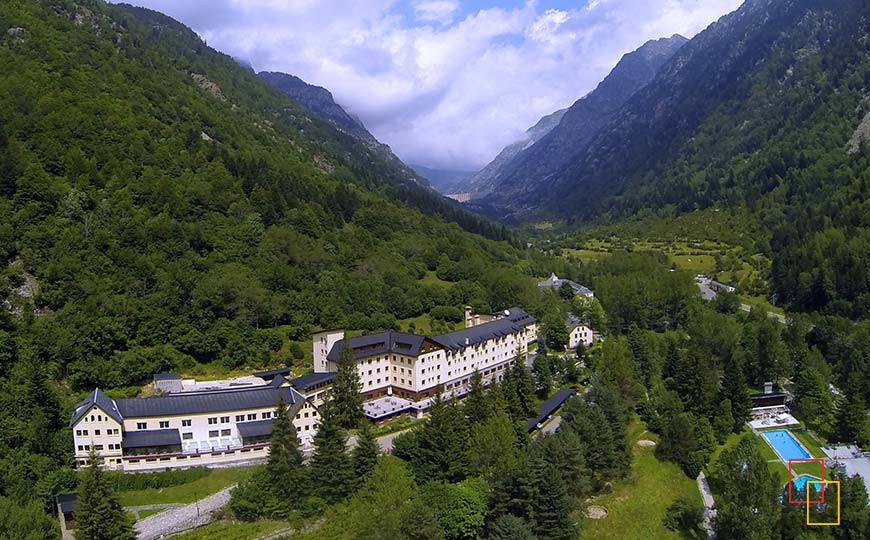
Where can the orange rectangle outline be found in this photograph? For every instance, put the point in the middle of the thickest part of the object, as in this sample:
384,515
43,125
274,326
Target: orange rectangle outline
837,523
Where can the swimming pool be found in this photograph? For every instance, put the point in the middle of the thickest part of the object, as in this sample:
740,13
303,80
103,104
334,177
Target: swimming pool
786,446
800,483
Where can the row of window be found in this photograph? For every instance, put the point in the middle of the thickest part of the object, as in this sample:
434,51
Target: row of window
97,432
98,447
165,424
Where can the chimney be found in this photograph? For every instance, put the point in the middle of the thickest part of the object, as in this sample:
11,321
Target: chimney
469,317
768,387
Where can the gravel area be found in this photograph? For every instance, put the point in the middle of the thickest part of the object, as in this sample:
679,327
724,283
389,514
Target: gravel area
182,518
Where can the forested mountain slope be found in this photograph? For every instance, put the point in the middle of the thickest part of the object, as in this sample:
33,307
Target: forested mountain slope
760,112
168,204
560,137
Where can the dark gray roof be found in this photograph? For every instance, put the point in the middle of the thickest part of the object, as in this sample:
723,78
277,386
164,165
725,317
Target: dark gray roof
513,321
166,377
378,344
554,282
271,373
573,322
306,382
101,400
148,439
67,502
257,397
260,428
549,407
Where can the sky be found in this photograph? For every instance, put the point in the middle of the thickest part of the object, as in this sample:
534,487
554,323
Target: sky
446,83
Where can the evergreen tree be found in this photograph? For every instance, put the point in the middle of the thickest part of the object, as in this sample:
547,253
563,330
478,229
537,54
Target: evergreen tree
672,359
284,468
723,422
442,443
814,400
543,376
618,368
477,406
524,385
852,422
98,514
646,358
687,440
331,469
735,390
549,504
346,399
566,451
747,505
365,455
510,527
492,448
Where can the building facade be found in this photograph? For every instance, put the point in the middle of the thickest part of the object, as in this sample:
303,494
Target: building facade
188,429
579,333
555,283
413,367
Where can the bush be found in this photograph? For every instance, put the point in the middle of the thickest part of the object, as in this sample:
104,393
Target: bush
447,313
684,514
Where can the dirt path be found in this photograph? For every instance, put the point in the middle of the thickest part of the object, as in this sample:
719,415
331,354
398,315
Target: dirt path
182,518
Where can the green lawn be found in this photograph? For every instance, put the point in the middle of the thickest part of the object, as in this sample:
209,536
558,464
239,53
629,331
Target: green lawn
636,507
422,324
697,264
431,279
233,530
217,480
393,425
145,513
760,301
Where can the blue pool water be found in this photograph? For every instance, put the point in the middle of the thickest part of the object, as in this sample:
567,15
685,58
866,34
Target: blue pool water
800,483
785,445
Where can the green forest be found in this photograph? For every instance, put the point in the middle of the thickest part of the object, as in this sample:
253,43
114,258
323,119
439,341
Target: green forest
162,209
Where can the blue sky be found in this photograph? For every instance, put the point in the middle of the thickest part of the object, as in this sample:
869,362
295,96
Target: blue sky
446,83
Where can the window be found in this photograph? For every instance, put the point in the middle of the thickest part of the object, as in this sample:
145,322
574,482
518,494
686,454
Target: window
252,416
85,432
306,415
213,433
185,423
78,433
98,447
240,418
212,421
225,419
267,415
141,425
187,436
99,418
225,433
164,424
81,448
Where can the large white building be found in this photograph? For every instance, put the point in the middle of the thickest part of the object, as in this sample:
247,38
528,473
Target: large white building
579,333
412,366
191,428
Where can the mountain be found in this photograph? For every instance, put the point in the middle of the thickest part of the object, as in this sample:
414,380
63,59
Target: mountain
318,100
164,207
764,113
448,182
556,140
487,179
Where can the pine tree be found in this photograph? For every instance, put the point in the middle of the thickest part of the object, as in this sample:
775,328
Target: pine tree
543,376
98,514
549,504
346,398
442,444
331,469
723,422
365,455
814,399
524,385
284,470
735,389
747,505
510,527
852,422
477,406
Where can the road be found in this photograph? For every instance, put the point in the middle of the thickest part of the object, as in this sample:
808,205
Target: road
709,294
709,503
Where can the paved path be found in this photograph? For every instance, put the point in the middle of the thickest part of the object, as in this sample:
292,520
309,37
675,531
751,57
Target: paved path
709,294
182,518
709,503
136,509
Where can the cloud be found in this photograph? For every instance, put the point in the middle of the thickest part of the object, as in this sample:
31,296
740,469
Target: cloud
441,11
443,85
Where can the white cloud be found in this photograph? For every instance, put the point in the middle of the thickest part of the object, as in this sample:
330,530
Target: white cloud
450,94
441,11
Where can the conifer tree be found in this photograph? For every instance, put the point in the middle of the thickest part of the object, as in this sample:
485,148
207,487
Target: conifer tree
98,514
365,455
510,527
284,470
543,376
723,422
735,389
331,469
852,421
549,504
442,444
477,406
524,384
346,399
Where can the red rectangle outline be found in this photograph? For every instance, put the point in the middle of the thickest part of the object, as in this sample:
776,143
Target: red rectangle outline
821,462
